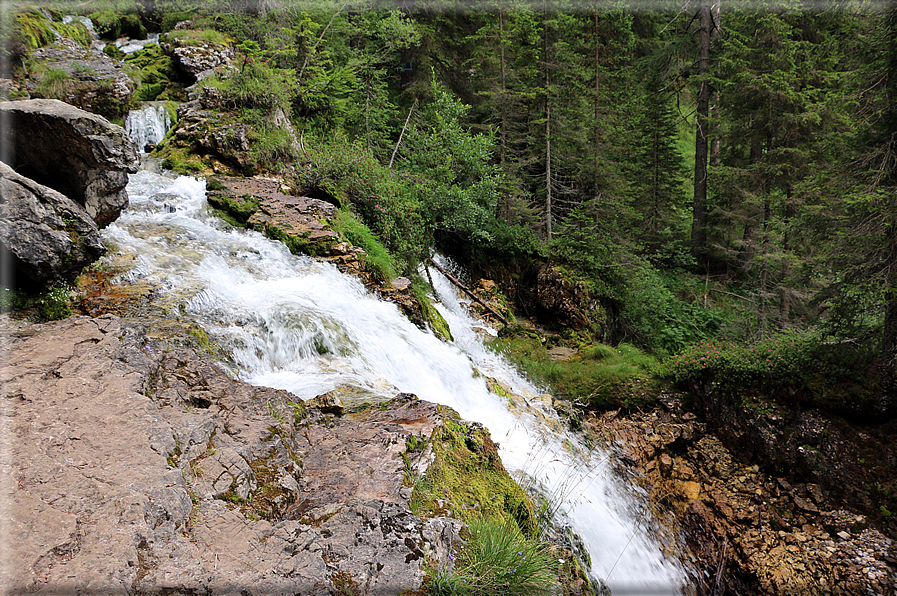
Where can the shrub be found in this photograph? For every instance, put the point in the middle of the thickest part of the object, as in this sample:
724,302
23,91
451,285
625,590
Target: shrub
255,82
50,305
499,560
789,364
387,203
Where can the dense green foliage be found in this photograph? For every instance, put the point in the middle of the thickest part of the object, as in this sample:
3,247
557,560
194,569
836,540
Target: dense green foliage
793,368
599,376
565,133
51,304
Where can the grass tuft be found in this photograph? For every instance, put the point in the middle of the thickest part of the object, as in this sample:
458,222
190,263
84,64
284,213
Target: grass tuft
499,560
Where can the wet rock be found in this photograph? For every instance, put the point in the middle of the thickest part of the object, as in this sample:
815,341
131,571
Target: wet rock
304,225
328,403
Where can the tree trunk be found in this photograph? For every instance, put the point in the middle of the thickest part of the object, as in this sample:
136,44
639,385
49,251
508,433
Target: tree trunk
547,160
889,354
784,290
597,100
547,135
503,148
699,202
763,294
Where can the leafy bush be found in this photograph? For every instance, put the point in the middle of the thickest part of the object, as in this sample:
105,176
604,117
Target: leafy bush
659,321
50,305
386,202
255,82
788,364
651,316
499,560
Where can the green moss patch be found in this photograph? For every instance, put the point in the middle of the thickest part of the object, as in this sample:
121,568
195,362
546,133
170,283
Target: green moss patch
234,210
35,30
156,74
183,162
467,478
601,376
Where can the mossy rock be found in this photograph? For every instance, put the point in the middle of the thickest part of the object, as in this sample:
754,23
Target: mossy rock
468,479
156,73
235,210
183,162
111,25
301,245
35,30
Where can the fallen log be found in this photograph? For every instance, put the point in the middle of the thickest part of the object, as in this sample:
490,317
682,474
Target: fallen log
466,290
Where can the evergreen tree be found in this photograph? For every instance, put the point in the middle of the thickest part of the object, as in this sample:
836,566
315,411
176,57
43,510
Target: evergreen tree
656,166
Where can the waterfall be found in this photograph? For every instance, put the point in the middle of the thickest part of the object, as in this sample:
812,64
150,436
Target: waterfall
293,323
148,124
129,46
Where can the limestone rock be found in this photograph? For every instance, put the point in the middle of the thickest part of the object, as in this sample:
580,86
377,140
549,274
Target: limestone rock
128,470
193,59
49,237
568,301
94,81
79,154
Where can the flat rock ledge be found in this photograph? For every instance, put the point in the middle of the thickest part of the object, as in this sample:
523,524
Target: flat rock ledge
126,470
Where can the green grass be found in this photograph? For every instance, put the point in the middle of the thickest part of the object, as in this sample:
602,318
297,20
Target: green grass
498,560
378,260
52,84
198,36
601,376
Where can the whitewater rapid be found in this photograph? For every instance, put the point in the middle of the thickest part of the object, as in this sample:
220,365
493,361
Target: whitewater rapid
293,323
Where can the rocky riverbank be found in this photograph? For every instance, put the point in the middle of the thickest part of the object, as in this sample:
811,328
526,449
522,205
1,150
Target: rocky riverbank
127,469
746,531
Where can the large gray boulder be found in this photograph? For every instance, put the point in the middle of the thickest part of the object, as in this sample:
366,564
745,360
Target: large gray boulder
79,154
49,237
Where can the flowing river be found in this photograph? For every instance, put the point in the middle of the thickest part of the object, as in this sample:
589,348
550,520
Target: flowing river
293,323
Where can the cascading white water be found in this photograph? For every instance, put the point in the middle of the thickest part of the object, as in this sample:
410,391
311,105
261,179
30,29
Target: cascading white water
129,46
296,324
148,124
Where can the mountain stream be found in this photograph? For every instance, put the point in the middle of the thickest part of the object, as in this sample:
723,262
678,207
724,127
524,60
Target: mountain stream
290,322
